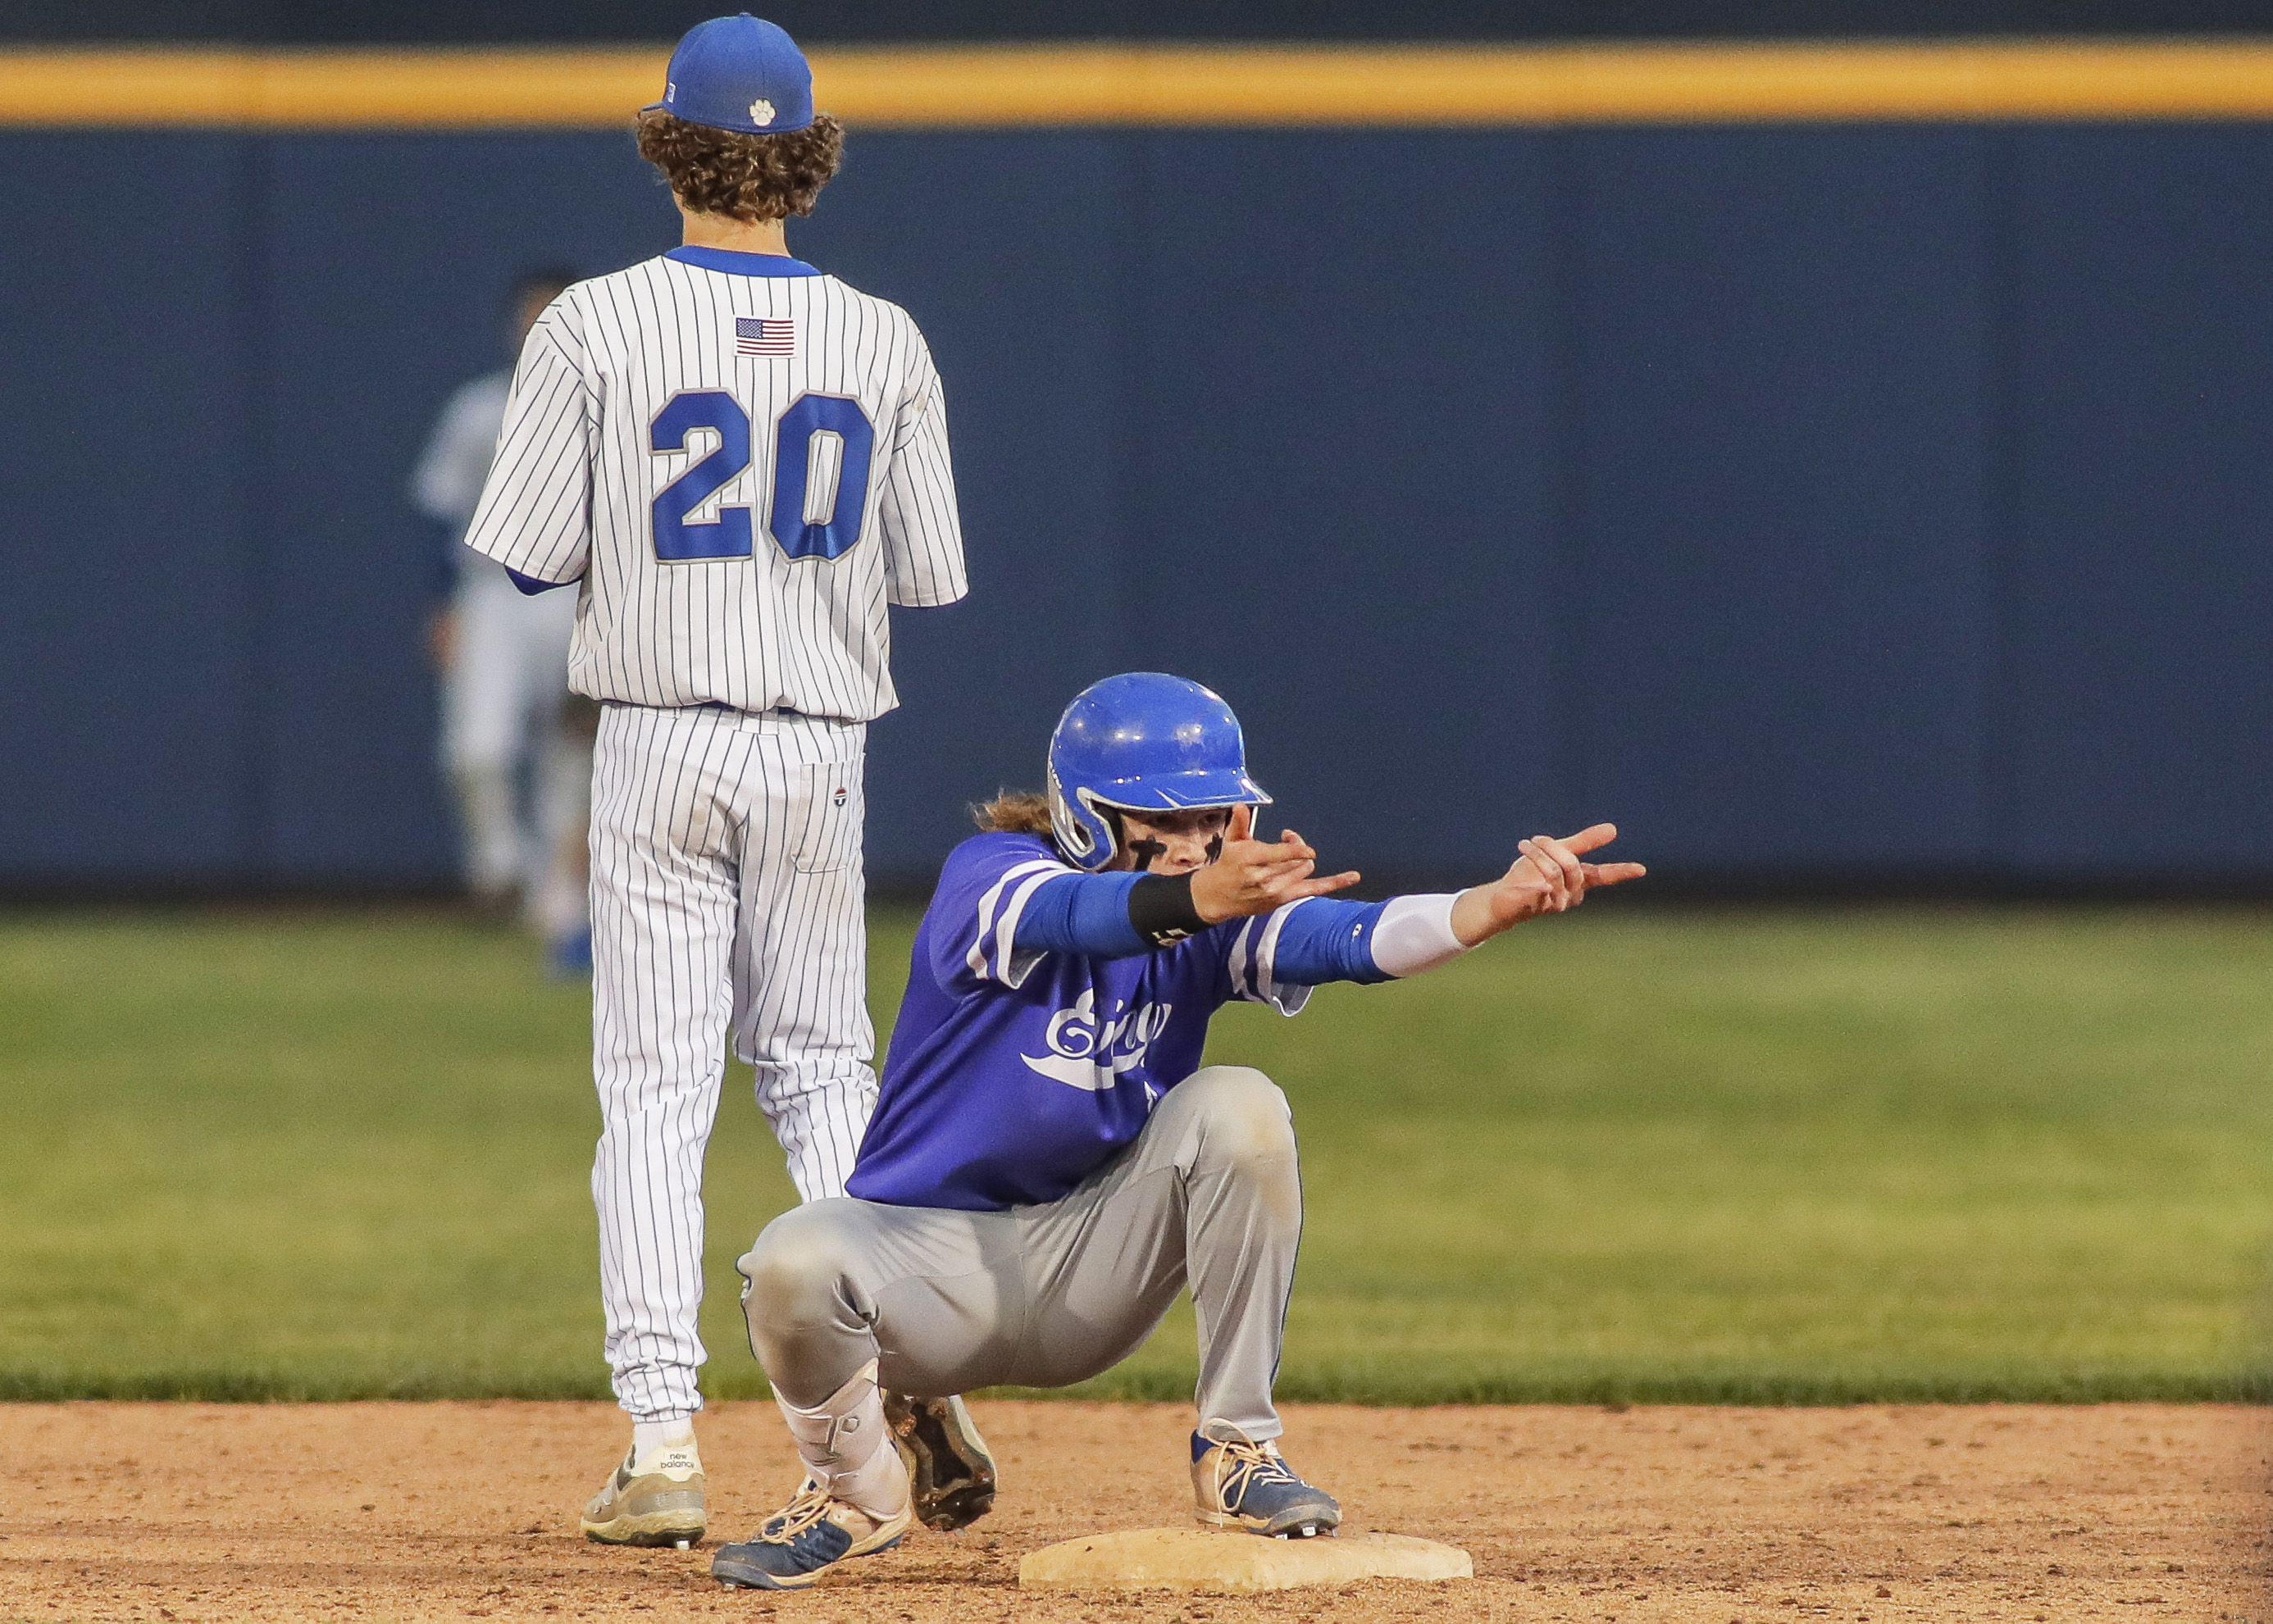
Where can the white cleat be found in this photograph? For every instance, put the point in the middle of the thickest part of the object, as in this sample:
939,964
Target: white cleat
655,1501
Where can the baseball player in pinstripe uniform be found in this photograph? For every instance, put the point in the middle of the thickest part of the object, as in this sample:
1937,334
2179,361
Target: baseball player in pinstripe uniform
743,461
504,662
1050,1163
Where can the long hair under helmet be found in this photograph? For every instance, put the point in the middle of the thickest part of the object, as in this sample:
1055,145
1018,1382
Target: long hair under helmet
1141,742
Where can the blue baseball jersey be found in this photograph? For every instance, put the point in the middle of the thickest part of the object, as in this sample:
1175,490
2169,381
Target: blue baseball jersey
1016,1071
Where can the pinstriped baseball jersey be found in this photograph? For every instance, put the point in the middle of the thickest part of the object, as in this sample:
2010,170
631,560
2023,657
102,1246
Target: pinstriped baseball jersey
746,460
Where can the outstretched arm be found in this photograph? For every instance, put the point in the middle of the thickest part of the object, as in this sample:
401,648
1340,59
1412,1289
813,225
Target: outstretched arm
1114,916
1382,941
1117,916
1549,877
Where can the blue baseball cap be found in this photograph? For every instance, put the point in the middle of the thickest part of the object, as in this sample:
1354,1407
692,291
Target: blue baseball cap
739,73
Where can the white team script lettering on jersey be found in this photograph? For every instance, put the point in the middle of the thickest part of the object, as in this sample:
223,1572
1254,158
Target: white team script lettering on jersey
1086,1052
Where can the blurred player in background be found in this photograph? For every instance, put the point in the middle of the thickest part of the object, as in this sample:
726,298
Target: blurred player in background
742,462
517,745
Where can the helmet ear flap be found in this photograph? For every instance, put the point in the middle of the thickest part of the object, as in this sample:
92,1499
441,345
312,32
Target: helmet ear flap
1088,833
1116,833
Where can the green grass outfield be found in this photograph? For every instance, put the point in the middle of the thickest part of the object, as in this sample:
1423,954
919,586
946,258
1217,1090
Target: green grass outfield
1628,1156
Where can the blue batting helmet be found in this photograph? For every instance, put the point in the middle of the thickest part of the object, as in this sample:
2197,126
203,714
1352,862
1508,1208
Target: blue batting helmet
1142,741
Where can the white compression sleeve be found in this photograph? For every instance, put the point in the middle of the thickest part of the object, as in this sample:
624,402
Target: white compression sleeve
1415,933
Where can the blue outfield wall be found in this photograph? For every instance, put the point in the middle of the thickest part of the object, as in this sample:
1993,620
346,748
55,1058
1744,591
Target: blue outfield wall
1815,501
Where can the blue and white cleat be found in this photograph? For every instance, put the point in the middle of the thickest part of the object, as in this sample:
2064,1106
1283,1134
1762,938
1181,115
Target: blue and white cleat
805,1539
1242,1484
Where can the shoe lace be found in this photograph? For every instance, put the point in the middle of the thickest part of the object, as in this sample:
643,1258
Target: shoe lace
807,1508
1245,1464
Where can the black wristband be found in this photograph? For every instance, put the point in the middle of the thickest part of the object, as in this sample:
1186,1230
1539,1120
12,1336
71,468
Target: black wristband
1160,909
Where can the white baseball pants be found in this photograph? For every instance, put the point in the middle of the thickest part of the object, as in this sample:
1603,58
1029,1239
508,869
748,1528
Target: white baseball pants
727,901
501,703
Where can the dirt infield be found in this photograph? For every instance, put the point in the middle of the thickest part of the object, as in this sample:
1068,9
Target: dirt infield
197,1512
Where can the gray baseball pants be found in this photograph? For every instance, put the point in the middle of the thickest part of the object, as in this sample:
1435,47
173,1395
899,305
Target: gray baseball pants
1045,1296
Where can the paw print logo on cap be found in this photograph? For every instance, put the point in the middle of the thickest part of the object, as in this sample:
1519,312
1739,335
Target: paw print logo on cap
761,112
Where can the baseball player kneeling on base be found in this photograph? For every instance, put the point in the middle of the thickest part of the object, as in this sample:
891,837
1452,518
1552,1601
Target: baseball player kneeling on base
1049,1163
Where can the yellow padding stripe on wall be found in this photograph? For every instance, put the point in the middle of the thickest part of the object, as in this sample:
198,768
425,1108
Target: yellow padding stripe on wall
1167,85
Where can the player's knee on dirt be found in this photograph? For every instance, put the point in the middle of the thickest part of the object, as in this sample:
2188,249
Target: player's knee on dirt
796,1297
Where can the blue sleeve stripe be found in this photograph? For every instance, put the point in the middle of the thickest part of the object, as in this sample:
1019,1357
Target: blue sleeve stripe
1267,985
1013,957
1251,964
530,585
983,942
1241,963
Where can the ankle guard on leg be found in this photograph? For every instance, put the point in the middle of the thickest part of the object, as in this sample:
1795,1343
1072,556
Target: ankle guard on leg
847,1447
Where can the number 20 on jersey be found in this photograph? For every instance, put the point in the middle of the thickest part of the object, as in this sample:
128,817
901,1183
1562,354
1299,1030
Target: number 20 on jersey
679,541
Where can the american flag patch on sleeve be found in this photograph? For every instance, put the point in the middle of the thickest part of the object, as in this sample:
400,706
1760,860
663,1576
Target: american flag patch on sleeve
765,335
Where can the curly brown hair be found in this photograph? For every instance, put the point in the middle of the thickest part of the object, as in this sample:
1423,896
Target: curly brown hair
743,176
1014,811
